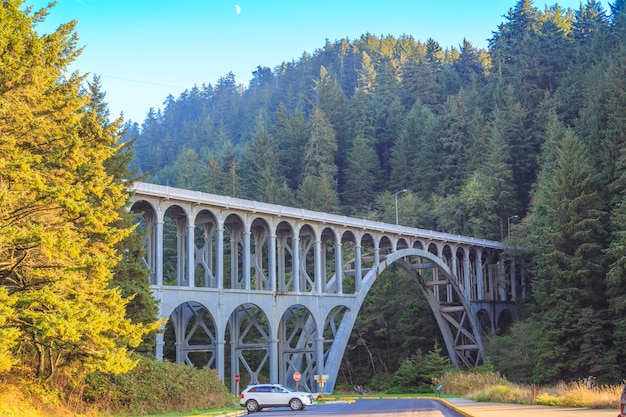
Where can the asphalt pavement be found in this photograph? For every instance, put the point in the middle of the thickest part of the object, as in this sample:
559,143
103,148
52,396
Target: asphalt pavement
470,408
474,409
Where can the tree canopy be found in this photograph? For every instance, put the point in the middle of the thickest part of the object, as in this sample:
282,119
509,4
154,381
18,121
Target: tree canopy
60,208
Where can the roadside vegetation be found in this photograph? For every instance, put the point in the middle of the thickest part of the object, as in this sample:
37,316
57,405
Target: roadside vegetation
152,387
486,385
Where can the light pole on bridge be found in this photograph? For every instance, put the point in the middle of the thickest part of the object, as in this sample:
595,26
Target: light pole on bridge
508,224
399,192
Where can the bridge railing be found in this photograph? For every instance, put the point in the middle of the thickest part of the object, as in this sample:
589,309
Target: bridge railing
299,213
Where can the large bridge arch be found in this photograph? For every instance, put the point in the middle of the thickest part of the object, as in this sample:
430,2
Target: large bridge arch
459,327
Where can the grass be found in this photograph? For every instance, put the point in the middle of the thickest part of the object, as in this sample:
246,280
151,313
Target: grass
26,399
492,387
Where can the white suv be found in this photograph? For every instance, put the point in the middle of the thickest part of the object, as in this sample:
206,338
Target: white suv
256,397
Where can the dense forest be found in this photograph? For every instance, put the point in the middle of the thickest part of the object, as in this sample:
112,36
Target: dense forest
523,141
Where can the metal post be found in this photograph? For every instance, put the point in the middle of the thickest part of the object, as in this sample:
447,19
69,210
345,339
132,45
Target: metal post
508,223
399,192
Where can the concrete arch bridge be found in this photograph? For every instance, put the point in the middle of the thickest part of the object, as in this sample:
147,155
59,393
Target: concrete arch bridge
262,290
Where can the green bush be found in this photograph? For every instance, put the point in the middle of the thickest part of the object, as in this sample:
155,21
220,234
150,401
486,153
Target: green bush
157,387
418,373
381,382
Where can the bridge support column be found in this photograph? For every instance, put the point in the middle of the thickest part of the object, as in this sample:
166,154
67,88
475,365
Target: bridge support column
158,348
271,262
234,357
220,257
501,279
190,252
181,278
319,353
159,253
318,266
219,360
479,275
273,356
467,280
455,271
513,278
296,264
358,275
235,234
339,268
246,260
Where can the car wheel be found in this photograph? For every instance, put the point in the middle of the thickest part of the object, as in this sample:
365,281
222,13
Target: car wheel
252,406
295,404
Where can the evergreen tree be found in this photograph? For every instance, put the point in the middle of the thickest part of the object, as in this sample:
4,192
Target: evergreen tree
489,195
568,240
321,147
361,176
59,207
261,170
291,133
130,274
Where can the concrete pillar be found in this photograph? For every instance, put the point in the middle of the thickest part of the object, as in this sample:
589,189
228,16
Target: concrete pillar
339,268
190,252
318,266
271,262
479,275
160,342
467,277
219,360
273,356
319,353
159,253
296,264
513,278
358,275
234,257
220,257
246,259
181,278
501,279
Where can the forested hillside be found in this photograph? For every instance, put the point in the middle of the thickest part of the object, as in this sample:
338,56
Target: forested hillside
529,133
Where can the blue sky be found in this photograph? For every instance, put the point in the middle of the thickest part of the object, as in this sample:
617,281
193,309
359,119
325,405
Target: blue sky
144,50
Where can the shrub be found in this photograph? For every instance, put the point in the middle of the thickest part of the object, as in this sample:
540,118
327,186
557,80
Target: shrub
418,373
157,387
464,382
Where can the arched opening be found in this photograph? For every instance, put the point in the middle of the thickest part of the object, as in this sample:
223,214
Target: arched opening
190,336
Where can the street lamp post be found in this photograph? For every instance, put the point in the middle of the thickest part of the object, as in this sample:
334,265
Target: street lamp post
399,192
508,223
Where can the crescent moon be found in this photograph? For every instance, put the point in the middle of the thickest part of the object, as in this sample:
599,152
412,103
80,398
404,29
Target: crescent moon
237,9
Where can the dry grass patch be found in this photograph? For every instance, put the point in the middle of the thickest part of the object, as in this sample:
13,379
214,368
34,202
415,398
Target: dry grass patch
492,387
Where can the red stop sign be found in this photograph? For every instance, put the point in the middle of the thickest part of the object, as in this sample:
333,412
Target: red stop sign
296,376
237,378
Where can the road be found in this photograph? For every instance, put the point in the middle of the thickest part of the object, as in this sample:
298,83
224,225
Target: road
405,407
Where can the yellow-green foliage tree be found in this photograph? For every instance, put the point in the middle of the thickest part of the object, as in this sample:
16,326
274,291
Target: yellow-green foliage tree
58,210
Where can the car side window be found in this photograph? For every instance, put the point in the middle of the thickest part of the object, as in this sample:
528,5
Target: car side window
263,389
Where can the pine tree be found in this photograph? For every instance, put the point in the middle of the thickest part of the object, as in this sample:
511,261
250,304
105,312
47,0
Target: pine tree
130,274
291,133
361,176
59,207
568,240
321,148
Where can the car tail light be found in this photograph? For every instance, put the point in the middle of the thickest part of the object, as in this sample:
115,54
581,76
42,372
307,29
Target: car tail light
242,395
